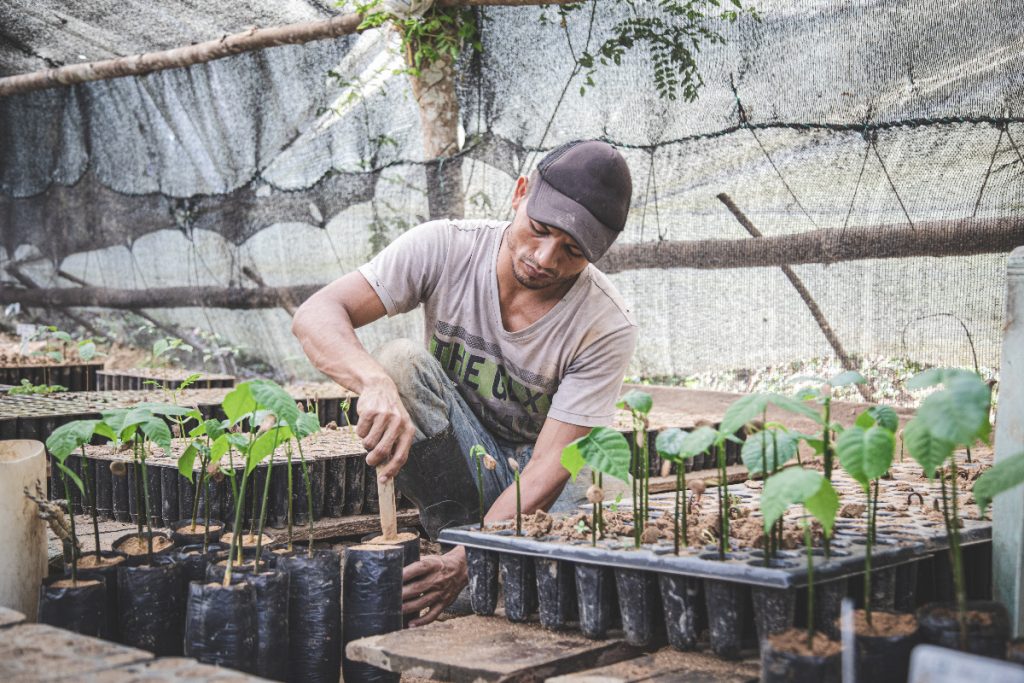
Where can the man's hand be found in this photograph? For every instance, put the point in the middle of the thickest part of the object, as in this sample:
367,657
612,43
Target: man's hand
433,582
384,426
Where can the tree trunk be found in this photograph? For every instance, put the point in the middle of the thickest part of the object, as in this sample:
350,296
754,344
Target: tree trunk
434,91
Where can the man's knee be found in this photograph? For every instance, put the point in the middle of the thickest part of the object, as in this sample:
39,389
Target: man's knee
405,361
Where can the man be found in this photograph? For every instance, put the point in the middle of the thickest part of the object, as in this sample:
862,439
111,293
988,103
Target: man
528,343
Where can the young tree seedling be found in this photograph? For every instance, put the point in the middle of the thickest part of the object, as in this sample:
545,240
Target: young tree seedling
64,441
639,405
678,446
606,451
483,460
866,451
514,466
955,416
820,501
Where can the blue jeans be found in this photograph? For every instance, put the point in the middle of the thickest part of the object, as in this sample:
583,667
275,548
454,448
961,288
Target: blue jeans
434,403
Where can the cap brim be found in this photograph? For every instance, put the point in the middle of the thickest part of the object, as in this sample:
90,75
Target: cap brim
547,205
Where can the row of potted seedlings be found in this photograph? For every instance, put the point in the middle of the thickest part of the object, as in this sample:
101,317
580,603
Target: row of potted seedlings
342,485
601,567
225,598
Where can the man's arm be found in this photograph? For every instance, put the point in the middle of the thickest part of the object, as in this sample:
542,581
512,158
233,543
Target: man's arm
441,577
325,325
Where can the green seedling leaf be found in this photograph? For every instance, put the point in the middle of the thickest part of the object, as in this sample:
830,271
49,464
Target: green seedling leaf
272,396
669,444
239,402
866,454
846,378
957,413
797,485
157,431
752,406
219,447
1004,475
636,401
933,376
929,451
68,438
70,475
884,416
168,409
160,347
742,411
63,336
87,351
265,445
605,450
754,457
700,440
187,461
306,424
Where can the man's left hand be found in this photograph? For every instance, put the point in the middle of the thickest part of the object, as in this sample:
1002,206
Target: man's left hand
434,582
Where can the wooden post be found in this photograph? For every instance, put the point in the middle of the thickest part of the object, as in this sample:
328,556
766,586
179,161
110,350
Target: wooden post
388,516
1008,507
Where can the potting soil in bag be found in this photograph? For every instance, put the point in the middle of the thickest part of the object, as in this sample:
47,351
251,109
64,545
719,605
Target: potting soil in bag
150,605
78,608
373,603
220,625
314,615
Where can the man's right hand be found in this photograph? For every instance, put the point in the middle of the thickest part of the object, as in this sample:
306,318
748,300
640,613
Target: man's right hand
384,426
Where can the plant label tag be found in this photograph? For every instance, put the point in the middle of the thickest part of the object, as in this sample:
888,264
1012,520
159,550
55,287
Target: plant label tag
25,331
933,664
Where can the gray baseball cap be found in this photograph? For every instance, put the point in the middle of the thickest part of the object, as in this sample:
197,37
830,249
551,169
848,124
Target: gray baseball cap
583,188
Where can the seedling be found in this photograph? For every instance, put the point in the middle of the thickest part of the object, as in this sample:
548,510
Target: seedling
639,405
866,451
26,388
483,461
514,466
737,416
820,501
136,426
59,343
64,441
160,353
763,453
823,395
677,446
956,416
606,452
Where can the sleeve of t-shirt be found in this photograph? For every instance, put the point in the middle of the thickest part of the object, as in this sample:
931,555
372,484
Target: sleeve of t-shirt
406,272
587,394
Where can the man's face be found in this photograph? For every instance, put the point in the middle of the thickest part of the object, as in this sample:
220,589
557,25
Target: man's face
542,256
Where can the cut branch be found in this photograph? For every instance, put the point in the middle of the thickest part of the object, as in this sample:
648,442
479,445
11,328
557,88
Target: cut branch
225,46
964,237
940,238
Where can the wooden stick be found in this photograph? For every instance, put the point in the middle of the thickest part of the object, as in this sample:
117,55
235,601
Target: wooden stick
388,516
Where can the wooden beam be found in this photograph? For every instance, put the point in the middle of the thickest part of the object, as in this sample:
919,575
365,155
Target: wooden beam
937,239
958,237
247,41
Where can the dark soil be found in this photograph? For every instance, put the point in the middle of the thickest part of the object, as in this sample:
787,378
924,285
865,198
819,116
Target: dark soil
795,641
974,618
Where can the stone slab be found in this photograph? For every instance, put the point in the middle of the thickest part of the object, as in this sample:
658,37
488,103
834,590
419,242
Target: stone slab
169,670
669,666
475,648
37,652
10,617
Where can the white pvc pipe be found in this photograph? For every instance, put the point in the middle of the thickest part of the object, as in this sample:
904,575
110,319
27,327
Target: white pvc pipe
23,551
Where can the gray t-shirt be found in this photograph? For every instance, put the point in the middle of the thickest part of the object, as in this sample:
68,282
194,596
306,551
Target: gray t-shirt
568,365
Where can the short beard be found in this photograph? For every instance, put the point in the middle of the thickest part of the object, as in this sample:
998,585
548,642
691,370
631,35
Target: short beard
525,280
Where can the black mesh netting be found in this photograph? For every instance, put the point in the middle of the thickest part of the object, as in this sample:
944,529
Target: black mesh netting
821,116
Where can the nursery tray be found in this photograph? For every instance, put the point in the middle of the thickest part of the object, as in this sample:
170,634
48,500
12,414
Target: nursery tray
138,379
74,376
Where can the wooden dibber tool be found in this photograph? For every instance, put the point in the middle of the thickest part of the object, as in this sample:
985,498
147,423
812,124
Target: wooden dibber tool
388,516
